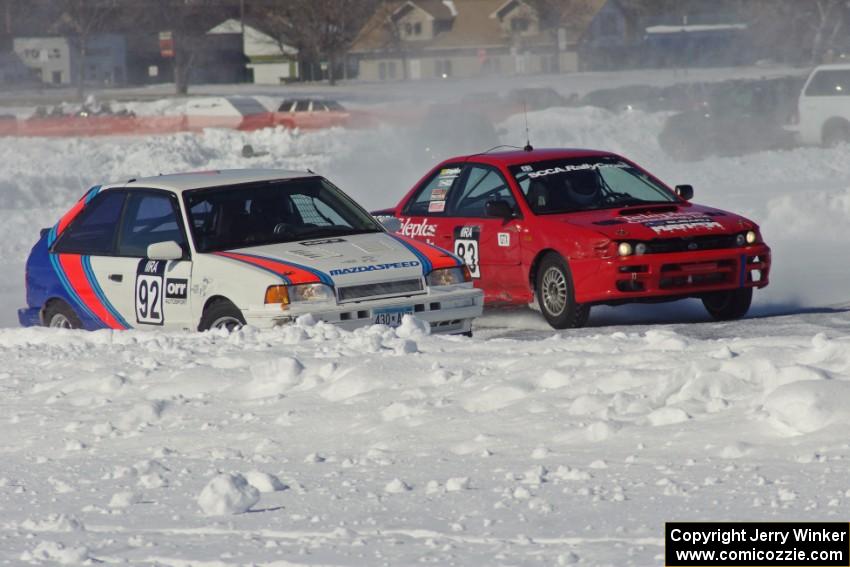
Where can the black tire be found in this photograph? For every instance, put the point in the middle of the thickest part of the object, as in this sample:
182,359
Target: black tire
556,294
728,305
221,313
59,315
836,133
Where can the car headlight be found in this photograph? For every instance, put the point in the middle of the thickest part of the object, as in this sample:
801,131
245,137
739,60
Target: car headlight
449,276
301,293
624,249
745,238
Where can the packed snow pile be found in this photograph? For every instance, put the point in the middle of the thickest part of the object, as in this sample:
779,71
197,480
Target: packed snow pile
354,448
227,494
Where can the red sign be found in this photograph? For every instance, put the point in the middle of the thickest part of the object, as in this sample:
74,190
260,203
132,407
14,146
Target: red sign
166,44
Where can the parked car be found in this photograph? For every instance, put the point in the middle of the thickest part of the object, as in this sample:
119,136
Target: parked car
311,114
576,228
734,118
823,112
228,248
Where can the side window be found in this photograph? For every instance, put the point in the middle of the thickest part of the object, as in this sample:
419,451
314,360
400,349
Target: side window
829,83
483,183
93,231
301,106
150,218
432,196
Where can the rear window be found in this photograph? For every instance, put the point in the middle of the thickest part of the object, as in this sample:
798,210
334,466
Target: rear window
829,83
247,106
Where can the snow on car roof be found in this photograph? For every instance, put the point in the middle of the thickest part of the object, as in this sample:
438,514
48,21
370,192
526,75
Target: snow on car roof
179,182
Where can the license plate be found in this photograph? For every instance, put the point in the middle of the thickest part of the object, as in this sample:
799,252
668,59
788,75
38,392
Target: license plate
391,316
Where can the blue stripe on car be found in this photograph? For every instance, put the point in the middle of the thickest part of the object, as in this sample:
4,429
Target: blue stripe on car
426,263
99,292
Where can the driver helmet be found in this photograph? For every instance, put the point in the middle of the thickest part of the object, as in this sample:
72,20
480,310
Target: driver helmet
582,187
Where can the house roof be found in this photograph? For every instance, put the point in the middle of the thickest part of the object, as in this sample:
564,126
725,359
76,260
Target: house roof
474,24
437,9
258,41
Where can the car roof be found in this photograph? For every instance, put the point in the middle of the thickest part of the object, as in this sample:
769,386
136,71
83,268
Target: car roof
833,67
179,182
519,157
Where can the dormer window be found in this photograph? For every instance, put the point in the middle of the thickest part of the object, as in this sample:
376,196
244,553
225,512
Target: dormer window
413,29
520,25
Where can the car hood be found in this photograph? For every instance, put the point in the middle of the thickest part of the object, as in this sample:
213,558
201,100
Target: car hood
346,260
657,221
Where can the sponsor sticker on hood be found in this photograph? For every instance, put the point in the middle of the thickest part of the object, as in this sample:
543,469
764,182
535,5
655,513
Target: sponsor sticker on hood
662,223
374,268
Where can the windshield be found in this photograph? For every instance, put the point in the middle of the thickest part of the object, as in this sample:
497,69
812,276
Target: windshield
237,216
586,184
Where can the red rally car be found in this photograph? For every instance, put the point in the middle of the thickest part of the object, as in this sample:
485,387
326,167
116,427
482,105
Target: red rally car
577,228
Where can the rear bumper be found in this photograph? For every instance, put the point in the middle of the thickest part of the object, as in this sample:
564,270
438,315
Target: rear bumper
680,274
450,311
29,317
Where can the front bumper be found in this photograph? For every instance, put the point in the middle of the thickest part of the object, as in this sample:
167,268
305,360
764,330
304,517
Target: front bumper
29,316
680,274
447,311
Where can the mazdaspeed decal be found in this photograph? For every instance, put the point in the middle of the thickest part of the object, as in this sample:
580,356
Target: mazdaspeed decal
289,272
374,268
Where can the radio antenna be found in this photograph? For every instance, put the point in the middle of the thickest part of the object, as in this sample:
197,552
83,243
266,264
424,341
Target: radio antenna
527,147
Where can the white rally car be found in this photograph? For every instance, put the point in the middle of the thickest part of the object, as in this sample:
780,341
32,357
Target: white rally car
224,248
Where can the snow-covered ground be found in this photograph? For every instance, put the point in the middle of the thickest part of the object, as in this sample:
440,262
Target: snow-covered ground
521,446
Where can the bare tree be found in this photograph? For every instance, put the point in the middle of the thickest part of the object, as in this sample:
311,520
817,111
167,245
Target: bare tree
188,21
80,20
799,31
827,21
321,29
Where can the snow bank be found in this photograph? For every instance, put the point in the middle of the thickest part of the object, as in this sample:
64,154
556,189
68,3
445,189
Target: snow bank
465,441
807,406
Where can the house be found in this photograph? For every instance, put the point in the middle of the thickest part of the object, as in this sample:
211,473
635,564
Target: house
269,61
56,59
613,39
428,39
13,71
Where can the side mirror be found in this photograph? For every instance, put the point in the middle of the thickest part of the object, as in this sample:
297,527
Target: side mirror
389,222
499,209
686,192
169,250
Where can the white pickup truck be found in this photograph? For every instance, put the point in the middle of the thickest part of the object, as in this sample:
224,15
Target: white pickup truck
824,106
